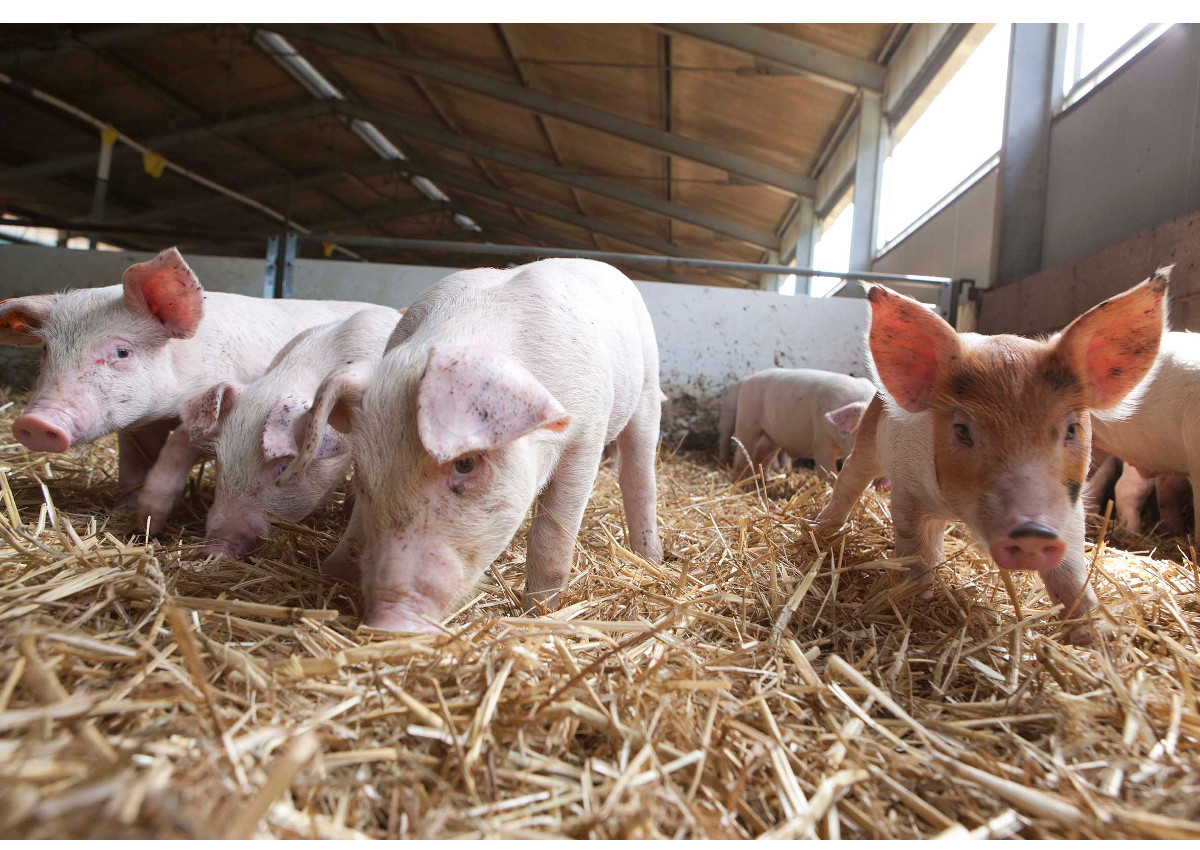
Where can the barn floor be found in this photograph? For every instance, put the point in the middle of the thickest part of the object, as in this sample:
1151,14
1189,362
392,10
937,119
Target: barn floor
752,685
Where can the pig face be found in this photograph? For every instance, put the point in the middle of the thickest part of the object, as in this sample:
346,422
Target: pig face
446,467
1010,416
102,356
253,441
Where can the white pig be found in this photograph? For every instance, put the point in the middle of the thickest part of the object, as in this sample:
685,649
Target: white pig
808,413
498,386
1160,435
249,429
995,431
123,358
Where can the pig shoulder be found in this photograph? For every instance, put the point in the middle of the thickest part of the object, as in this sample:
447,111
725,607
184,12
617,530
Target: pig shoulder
904,445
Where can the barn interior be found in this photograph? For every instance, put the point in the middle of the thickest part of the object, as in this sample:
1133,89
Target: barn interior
751,180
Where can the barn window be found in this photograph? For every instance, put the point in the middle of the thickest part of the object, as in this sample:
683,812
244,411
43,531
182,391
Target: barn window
832,251
931,156
1095,50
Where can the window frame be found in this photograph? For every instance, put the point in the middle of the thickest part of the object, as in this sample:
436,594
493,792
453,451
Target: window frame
1123,56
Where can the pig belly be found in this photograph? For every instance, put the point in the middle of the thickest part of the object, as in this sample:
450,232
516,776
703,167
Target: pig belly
1136,441
790,427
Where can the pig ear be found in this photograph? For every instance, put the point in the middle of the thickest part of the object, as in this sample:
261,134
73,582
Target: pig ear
335,405
279,432
203,414
22,318
1114,344
910,345
471,401
167,289
846,418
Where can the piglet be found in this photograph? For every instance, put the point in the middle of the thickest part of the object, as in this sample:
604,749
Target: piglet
807,413
250,430
498,386
123,358
1159,437
995,431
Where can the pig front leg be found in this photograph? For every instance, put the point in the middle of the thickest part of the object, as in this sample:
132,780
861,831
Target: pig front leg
918,534
553,532
137,450
639,487
165,481
1067,584
825,458
1133,489
860,469
342,562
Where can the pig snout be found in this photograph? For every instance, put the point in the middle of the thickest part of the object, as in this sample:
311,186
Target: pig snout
408,583
1029,545
43,429
235,533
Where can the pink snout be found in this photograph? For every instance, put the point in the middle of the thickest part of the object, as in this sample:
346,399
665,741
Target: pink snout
43,431
235,538
1029,546
379,617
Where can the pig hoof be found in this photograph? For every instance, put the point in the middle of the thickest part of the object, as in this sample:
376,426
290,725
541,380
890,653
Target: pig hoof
883,484
1079,635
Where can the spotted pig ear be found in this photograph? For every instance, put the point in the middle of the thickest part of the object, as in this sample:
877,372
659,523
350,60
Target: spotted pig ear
166,289
471,400
203,414
910,346
279,432
1114,344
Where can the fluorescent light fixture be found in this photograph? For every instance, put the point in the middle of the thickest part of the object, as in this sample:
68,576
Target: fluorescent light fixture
320,87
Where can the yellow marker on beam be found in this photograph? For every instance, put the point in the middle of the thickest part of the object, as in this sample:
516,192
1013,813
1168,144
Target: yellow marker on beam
328,246
154,163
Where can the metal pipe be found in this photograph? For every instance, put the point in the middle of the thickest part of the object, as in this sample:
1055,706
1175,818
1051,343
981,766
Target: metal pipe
691,262
486,248
108,139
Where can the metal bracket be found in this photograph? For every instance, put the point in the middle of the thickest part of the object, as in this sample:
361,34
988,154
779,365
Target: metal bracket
280,270
272,266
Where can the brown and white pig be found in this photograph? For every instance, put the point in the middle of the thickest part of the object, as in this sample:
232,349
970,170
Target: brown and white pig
808,413
250,430
123,358
499,386
995,431
1159,437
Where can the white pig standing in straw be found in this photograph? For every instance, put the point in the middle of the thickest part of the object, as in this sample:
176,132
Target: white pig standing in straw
123,358
995,431
250,429
498,386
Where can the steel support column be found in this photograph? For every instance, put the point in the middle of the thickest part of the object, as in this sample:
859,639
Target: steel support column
1024,153
108,139
867,174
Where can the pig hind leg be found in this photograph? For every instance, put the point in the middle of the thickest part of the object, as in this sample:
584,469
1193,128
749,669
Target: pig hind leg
137,450
638,445
1171,491
1133,489
825,455
165,481
859,470
1105,473
554,529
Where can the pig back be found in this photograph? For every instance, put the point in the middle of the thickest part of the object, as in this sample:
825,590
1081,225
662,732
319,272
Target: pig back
1152,427
795,401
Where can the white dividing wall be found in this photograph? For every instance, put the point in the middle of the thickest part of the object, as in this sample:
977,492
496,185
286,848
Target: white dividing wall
708,336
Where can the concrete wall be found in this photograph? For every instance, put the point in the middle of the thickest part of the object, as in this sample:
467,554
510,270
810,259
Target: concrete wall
1050,299
708,336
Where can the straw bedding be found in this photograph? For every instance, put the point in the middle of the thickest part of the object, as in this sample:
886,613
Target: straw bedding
752,685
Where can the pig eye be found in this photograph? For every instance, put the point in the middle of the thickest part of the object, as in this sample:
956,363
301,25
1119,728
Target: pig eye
963,434
1072,431
465,465
122,353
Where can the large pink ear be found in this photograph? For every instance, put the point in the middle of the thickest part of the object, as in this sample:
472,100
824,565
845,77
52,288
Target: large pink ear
847,417
22,318
1114,344
909,346
203,414
470,401
335,404
279,432
168,290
